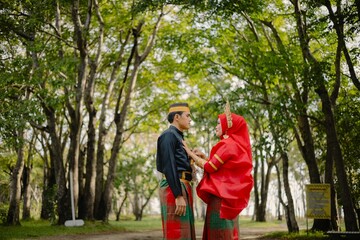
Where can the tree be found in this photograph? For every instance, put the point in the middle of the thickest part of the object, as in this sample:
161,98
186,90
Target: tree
333,146
84,76
26,178
301,96
15,109
136,174
71,88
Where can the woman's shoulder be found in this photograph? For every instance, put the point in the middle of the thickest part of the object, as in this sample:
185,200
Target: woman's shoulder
225,145
228,142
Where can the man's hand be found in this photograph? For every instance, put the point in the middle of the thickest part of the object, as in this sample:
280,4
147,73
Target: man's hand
180,206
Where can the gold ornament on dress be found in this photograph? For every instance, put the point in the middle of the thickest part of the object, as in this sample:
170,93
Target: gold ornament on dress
228,114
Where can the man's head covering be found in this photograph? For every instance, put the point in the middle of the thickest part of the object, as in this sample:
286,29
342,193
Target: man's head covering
179,107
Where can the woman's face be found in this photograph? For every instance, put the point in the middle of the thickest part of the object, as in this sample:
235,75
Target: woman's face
218,129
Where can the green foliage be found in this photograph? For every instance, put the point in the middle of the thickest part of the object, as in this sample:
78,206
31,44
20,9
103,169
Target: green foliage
136,169
51,204
3,212
7,161
348,127
224,7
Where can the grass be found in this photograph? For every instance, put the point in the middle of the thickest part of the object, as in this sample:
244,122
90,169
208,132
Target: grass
38,228
248,223
302,235
147,223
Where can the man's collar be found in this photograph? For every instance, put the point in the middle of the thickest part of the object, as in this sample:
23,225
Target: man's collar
177,130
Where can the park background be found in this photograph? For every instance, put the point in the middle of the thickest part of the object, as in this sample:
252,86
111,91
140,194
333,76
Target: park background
85,88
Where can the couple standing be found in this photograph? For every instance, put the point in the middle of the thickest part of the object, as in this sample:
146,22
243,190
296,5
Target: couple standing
225,186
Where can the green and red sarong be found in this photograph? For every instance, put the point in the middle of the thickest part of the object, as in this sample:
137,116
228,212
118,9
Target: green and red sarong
174,226
216,228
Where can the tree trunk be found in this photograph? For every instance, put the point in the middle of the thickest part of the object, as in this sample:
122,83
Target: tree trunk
279,214
281,202
26,181
119,121
73,157
102,130
339,26
121,205
82,176
256,170
120,114
86,207
329,178
333,144
63,197
49,183
136,206
290,209
306,145
48,194
357,210
26,214
13,214
261,211
75,112
335,152
56,151
89,191
147,200
308,150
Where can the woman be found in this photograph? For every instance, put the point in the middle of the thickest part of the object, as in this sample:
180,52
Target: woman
227,181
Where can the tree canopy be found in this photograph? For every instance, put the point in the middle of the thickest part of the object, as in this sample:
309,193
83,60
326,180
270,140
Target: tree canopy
84,82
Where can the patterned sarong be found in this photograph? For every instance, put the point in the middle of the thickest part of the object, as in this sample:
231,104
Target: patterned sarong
216,228
174,226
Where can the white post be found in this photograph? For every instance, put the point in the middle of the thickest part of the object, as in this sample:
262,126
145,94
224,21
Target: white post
73,222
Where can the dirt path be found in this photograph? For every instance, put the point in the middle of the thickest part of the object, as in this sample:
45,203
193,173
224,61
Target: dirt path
245,233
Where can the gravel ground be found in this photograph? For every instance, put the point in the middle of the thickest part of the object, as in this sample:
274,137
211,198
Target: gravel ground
245,233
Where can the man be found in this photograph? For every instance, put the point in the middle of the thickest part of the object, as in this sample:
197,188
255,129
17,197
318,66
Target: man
175,189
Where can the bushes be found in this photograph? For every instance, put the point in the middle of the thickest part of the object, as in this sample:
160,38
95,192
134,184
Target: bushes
3,213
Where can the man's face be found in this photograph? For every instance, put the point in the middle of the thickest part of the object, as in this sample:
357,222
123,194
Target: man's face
183,120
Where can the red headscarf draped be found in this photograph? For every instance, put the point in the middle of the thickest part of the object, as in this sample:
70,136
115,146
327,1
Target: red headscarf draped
227,174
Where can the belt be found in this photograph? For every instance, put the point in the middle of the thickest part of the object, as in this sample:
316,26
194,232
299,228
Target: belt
185,175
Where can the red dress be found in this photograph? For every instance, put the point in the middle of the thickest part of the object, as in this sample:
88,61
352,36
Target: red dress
227,174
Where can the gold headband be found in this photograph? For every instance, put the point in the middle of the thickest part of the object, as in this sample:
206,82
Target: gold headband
179,109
